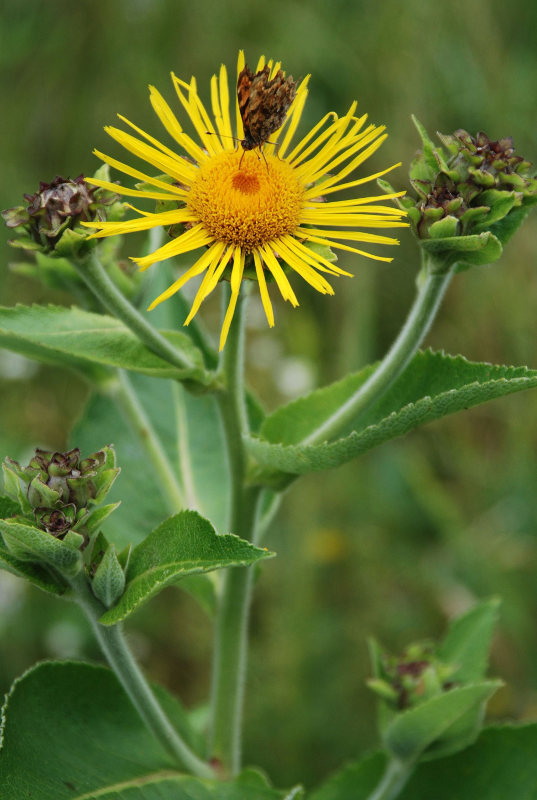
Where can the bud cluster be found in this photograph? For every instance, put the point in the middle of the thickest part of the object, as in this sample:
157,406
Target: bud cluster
408,680
57,489
471,196
57,207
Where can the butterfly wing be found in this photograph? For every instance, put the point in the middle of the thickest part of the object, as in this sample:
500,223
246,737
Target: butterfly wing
263,103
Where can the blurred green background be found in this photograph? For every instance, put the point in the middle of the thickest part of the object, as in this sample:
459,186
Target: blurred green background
411,533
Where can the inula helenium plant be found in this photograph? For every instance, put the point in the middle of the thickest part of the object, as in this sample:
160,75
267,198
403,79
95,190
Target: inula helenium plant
250,196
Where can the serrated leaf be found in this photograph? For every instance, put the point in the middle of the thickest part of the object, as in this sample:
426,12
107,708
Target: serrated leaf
100,748
90,343
35,573
468,640
183,545
410,733
28,543
432,386
70,730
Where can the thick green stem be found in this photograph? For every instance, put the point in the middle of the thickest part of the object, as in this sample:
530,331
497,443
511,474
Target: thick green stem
392,782
93,273
230,648
422,313
133,681
123,393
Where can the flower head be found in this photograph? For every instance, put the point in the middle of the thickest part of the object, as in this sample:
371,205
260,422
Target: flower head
58,206
260,209
471,196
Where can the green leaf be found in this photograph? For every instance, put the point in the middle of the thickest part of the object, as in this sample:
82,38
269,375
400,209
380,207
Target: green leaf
69,730
432,386
354,782
188,428
28,543
435,722
8,507
184,544
90,343
39,575
95,518
197,438
108,583
500,766
468,640
473,250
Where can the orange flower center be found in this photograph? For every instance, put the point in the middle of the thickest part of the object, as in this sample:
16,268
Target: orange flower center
247,206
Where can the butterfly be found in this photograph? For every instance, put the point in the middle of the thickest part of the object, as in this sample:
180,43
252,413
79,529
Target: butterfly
263,104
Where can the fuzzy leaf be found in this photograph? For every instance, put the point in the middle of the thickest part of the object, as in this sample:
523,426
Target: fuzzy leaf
435,722
432,386
90,343
183,545
28,543
101,741
35,573
100,748
108,582
468,640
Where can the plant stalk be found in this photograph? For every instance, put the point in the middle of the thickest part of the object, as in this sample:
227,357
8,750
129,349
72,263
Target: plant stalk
231,640
95,276
428,299
392,782
128,673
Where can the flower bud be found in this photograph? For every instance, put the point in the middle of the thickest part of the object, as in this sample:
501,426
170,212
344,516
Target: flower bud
49,220
56,489
408,680
471,196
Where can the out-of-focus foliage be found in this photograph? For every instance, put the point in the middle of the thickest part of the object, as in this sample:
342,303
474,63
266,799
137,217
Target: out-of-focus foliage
413,531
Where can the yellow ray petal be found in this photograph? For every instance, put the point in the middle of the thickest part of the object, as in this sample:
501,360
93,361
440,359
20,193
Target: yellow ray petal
196,269
143,223
154,142
210,279
135,173
351,236
175,167
314,191
240,67
348,248
224,101
117,189
190,240
315,259
280,277
263,291
170,122
304,269
236,279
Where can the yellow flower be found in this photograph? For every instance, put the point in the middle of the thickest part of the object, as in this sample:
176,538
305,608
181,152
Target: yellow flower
236,205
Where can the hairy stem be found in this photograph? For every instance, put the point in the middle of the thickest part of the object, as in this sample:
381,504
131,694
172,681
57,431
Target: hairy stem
127,671
93,273
392,782
418,322
230,648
